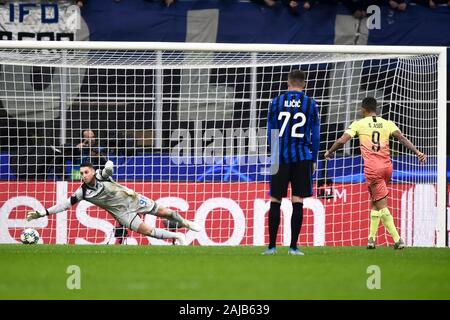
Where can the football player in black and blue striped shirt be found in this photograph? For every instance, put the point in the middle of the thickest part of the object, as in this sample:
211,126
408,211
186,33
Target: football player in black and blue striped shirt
294,136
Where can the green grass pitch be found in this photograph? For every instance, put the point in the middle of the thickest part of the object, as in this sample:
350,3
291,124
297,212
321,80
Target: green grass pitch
172,272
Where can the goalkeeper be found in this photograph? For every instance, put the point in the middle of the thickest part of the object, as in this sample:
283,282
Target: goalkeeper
122,203
374,133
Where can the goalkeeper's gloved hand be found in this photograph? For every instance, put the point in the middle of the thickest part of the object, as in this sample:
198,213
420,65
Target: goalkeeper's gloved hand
109,167
109,164
35,215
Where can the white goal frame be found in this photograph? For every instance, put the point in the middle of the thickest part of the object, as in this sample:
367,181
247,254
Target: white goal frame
332,49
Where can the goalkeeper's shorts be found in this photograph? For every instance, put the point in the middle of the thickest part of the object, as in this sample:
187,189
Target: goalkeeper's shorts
377,181
131,219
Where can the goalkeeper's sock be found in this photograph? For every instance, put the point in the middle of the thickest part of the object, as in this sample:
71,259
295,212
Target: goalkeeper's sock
162,234
296,223
175,217
388,223
375,217
274,222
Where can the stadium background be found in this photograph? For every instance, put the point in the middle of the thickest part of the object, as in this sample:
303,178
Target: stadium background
198,21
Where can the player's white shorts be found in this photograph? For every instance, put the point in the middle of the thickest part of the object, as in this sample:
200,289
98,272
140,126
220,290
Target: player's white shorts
131,219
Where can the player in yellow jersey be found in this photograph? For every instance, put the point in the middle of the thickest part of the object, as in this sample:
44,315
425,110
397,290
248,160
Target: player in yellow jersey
374,133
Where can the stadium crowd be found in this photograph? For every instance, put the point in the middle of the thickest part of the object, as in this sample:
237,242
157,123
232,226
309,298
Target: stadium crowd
356,7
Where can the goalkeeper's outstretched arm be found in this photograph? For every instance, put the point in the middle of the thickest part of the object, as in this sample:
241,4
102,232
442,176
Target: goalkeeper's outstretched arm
76,197
60,207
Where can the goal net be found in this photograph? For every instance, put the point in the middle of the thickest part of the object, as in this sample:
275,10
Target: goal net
186,125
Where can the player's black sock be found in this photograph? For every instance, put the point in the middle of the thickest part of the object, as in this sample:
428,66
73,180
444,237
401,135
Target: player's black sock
296,222
274,222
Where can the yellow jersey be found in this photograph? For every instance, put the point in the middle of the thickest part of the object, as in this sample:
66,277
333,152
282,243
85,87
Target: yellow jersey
374,133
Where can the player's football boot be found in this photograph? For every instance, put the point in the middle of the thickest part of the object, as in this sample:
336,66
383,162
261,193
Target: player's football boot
191,225
174,225
269,252
399,245
371,243
295,252
180,240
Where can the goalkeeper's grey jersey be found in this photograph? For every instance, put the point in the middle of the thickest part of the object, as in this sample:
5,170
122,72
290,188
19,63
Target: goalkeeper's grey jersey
110,196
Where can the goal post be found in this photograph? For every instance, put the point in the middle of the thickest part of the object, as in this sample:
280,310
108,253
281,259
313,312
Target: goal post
442,152
185,124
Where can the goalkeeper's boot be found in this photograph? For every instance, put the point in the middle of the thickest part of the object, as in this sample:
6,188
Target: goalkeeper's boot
295,252
371,243
399,245
270,251
191,225
180,239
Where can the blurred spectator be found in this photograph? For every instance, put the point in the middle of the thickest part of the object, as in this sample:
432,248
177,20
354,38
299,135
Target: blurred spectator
168,3
80,3
88,139
85,151
269,3
165,3
293,5
307,5
431,3
356,8
89,151
399,5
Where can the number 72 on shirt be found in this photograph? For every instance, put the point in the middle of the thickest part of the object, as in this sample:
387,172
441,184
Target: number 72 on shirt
286,117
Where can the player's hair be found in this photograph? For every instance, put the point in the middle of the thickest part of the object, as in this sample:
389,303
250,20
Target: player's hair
297,77
87,164
370,104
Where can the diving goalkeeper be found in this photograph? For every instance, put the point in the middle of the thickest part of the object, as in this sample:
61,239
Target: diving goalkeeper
122,203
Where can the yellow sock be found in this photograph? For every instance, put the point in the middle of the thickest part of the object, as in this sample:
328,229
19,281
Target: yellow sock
388,223
374,221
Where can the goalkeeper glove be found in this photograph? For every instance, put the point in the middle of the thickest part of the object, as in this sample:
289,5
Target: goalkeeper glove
109,167
109,164
35,215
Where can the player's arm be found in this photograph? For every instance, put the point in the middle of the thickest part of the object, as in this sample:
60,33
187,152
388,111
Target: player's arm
352,131
108,170
63,206
397,134
339,143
